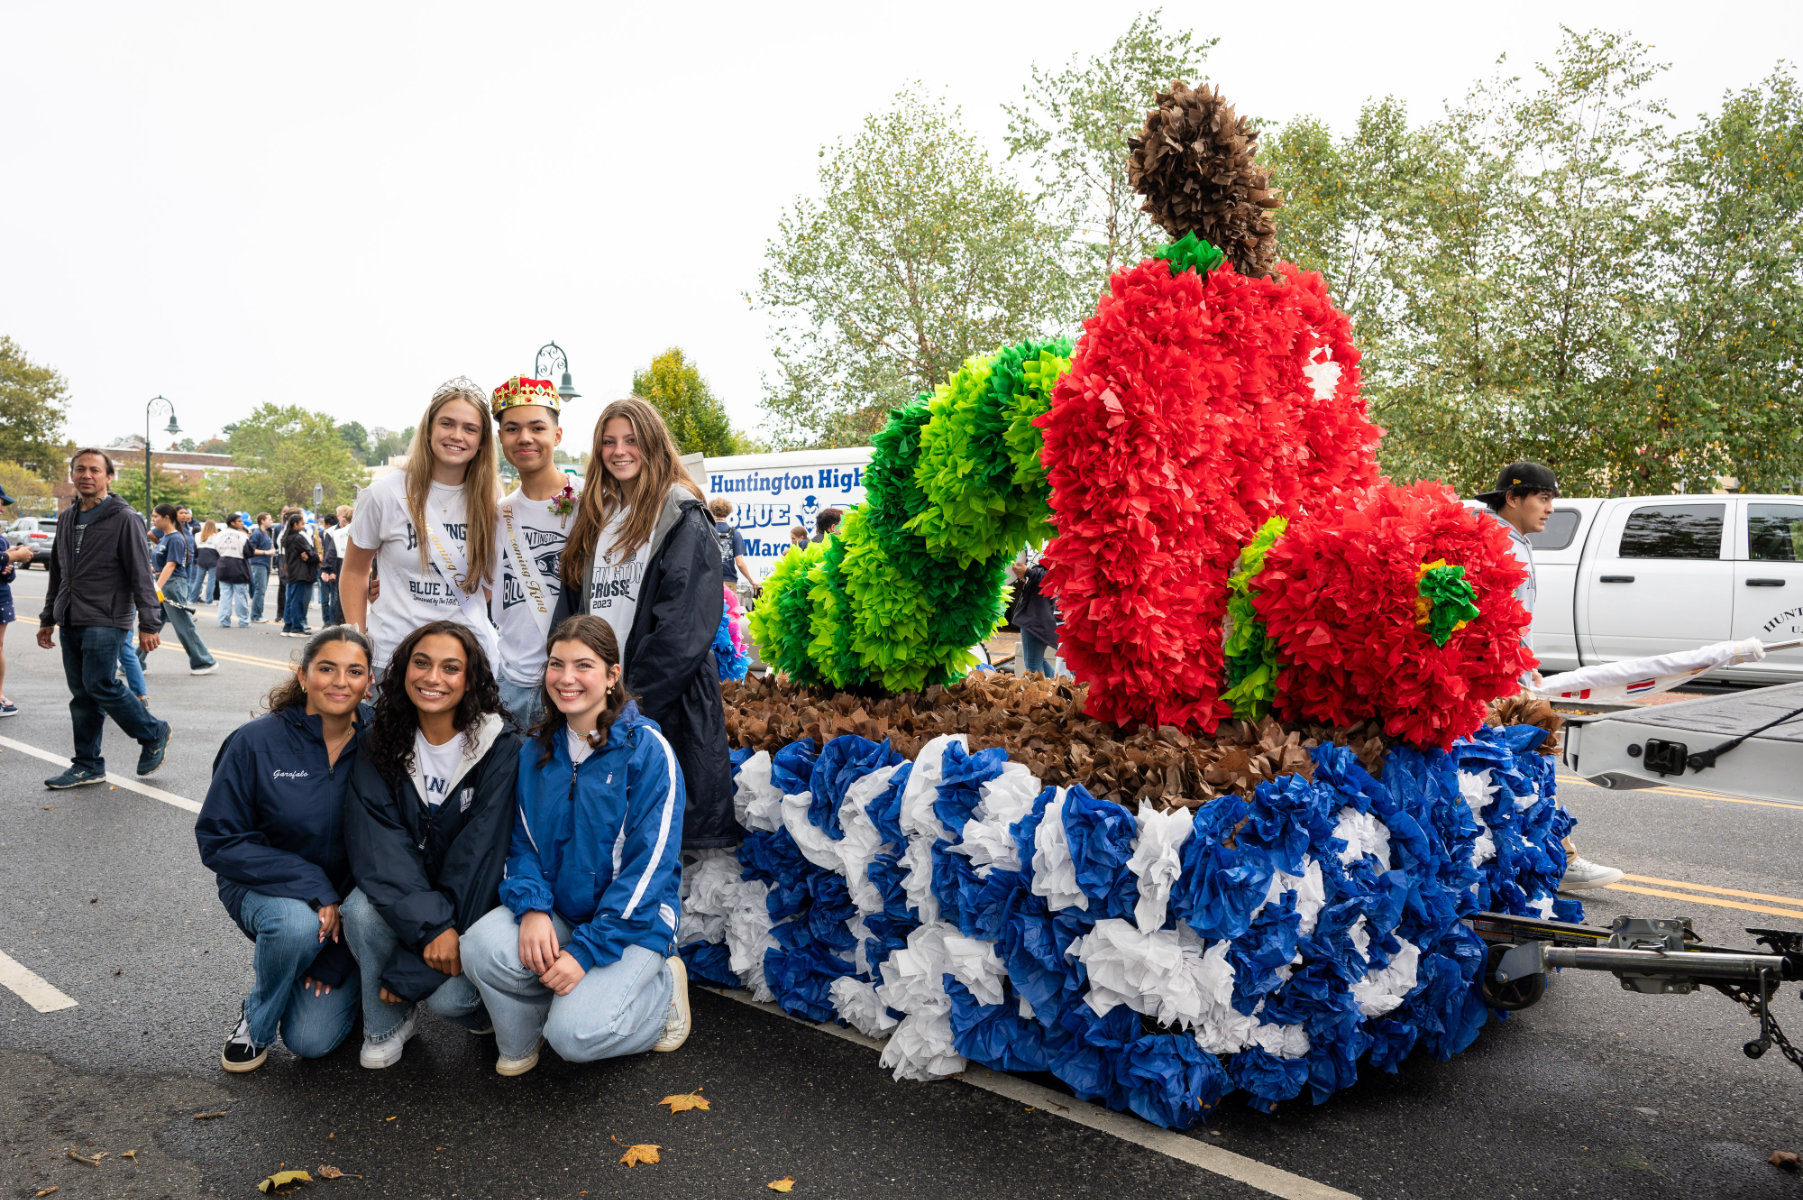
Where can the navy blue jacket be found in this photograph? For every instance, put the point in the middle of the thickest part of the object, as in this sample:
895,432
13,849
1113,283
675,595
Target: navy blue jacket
273,820
599,843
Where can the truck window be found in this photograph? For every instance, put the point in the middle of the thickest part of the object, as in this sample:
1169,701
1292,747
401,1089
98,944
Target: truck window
1674,531
1561,526
1775,532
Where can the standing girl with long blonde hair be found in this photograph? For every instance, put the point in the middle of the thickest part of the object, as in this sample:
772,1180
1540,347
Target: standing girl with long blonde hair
642,557
431,529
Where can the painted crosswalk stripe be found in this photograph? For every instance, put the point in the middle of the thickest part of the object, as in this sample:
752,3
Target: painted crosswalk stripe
31,987
130,785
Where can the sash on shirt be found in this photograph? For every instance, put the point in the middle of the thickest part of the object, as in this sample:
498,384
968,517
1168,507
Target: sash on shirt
529,577
446,562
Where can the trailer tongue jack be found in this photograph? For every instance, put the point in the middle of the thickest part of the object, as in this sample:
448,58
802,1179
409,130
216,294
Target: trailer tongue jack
1657,956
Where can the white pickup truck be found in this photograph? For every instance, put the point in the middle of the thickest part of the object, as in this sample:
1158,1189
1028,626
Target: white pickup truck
1639,575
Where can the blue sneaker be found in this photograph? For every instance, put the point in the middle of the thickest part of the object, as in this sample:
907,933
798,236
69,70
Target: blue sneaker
75,777
8,709
152,757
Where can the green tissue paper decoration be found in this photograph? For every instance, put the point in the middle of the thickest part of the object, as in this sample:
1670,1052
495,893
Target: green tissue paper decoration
1252,664
1446,601
1190,253
918,574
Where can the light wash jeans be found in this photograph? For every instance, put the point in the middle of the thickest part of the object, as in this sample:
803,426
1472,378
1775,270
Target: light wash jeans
287,933
524,704
128,663
616,1010
234,597
259,586
177,617
372,942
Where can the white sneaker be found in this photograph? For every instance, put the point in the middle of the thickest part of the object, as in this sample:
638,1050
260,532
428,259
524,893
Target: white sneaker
676,1026
387,1052
206,670
1580,872
519,1066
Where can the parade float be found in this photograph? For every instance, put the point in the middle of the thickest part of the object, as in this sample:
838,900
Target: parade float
1235,854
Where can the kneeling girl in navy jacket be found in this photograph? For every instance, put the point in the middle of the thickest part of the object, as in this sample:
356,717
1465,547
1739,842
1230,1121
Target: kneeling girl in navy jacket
426,820
271,830
582,951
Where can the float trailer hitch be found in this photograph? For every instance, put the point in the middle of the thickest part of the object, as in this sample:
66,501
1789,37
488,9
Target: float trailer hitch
1654,955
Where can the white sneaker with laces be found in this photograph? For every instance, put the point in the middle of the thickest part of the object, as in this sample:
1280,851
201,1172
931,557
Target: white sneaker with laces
206,670
1580,872
676,1026
519,1066
387,1052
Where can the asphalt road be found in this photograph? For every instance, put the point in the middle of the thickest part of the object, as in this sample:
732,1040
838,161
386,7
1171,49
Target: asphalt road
1594,1092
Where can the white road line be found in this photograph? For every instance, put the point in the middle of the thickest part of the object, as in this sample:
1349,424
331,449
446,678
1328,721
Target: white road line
31,987
1273,1181
133,785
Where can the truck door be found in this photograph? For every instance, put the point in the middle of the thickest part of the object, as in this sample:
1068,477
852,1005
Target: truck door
1661,580
1768,584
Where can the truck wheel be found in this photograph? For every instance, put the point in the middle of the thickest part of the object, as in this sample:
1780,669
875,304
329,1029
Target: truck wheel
1514,995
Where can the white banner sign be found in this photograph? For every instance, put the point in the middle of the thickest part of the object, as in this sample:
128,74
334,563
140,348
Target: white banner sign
774,493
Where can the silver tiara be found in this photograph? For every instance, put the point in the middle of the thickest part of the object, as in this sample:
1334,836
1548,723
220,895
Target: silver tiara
463,385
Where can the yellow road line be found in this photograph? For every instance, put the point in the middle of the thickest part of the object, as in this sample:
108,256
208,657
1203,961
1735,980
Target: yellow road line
1690,792
229,655
1697,887
1694,899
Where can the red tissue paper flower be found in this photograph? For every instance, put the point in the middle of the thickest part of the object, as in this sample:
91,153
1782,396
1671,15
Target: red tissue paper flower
1337,595
1196,407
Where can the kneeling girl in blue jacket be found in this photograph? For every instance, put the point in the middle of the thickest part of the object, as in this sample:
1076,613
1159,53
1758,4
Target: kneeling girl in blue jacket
426,821
582,951
271,830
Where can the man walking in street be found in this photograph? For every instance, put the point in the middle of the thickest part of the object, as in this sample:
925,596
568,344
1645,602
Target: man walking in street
262,553
329,565
1522,500
534,525
98,574
175,584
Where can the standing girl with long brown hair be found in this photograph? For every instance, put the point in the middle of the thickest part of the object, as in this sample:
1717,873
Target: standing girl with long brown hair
642,557
431,528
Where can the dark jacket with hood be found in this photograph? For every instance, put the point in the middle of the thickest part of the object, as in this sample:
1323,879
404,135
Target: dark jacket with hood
670,660
110,577
273,821
430,868
300,561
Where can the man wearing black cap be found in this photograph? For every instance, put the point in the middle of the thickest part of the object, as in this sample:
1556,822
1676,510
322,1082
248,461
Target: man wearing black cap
1522,500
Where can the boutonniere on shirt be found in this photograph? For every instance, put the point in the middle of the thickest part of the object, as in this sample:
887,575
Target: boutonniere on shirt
564,503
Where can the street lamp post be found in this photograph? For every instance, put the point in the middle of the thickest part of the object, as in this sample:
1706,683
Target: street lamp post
550,362
173,428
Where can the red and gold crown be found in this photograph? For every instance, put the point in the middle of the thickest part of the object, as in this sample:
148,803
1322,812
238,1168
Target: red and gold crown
521,390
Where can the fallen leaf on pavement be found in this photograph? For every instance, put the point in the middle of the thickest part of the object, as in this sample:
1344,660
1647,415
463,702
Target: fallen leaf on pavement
640,1154
335,1173
202,1116
45,1192
283,1179
685,1102
1786,1158
131,1154
79,1157
785,1184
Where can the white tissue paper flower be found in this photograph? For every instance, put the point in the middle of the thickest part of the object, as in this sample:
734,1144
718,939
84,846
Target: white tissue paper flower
976,965
1054,871
755,800
856,1003
1006,799
1363,834
1157,861
862,841
917,816
1381,991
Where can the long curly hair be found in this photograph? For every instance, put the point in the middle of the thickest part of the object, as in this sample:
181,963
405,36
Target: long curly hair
290,693
598,636
390,744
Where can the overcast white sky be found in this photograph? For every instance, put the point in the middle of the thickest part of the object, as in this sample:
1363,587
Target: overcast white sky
341,205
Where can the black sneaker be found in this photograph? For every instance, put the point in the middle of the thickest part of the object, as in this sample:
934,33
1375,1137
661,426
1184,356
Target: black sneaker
152,757
75,777
240,1053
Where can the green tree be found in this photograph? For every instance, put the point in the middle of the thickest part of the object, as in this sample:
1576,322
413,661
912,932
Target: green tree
34,403
168,487
356,438
696,419
33,494
385,444
1072,127
916,254
214,445
283,450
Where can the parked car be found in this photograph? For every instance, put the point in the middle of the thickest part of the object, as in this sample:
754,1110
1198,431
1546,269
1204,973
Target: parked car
37,532
1638,575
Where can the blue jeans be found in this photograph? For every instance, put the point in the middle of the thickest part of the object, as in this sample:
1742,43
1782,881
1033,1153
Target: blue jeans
178,618
234,597
259,586
134,670
372,941
287,934
524,704
1032,653
616,1010
294,606
209,585
330,613
90,668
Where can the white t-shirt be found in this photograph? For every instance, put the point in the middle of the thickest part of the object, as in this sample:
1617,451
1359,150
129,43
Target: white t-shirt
614,590
437,766
413,595
521,607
